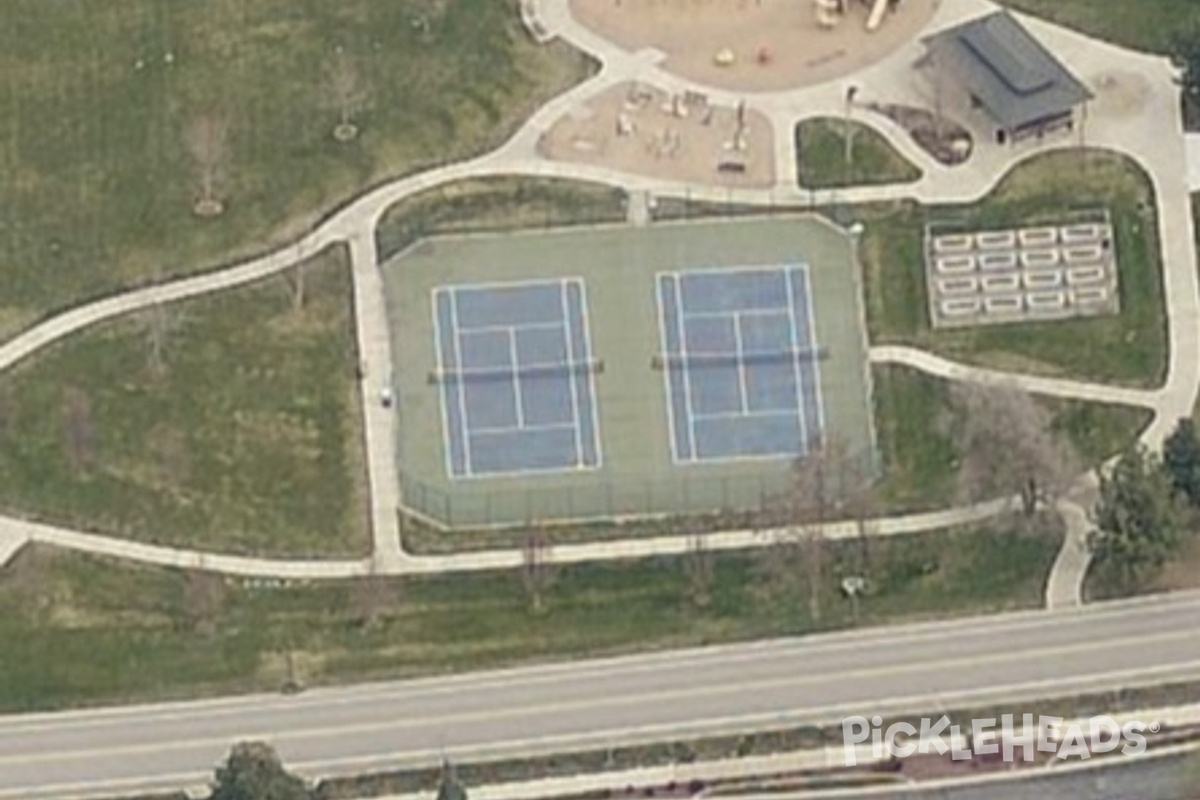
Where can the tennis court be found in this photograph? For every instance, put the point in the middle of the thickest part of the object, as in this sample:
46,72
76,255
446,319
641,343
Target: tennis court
515,367
534,380
740,363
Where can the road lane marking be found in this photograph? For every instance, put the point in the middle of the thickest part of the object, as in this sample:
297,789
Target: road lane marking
629,699
718,656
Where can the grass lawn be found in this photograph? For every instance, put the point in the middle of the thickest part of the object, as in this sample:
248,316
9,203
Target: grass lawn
920,459
243,436
96,100
821,156
96,631
1129,348
1144,24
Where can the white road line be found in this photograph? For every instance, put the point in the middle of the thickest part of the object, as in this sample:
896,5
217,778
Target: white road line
627,666
657,694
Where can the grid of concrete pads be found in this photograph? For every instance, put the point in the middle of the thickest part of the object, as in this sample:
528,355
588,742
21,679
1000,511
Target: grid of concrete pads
1026,274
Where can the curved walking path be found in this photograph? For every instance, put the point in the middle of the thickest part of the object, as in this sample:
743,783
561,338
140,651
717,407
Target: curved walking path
1064,586
1140,136
1035,384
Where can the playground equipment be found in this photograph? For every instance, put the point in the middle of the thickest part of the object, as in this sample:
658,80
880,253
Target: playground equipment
877,11
829,12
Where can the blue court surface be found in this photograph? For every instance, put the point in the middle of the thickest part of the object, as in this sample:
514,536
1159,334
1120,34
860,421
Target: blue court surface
740,363
516,372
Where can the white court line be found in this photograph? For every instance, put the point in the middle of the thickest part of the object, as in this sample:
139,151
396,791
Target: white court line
509,326
587,352
794,333
740,364
749,312
677,290
515,378
746,415
812,340
464,426
662,337
443,389
742,268
565,329
548,283
501,430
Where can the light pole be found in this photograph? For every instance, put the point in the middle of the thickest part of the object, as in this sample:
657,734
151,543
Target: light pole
852,587
851,93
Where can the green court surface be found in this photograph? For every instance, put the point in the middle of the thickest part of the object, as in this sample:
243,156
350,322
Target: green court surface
618,266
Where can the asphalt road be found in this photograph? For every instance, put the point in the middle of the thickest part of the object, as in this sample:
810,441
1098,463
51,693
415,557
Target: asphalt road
915,668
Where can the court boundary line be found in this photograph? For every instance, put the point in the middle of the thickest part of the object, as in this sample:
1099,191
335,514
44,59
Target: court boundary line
812,337
495,431
522,283
749,312
569,340
465,428
744,415
589,355
447,456
515,377
681,329
669,394
797,373
482,329
743,398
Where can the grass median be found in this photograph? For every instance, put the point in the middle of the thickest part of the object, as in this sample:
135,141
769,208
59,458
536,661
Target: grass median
93,631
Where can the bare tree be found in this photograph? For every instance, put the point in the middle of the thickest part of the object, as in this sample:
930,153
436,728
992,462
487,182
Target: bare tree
822,485
371,596
79,433
349,93
699,569
537,569
207,140
1009,447
814,498
203,599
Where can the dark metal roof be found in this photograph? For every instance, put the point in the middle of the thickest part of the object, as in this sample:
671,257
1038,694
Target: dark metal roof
1015,78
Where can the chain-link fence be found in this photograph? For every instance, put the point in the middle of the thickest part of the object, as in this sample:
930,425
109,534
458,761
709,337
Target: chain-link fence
682,494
